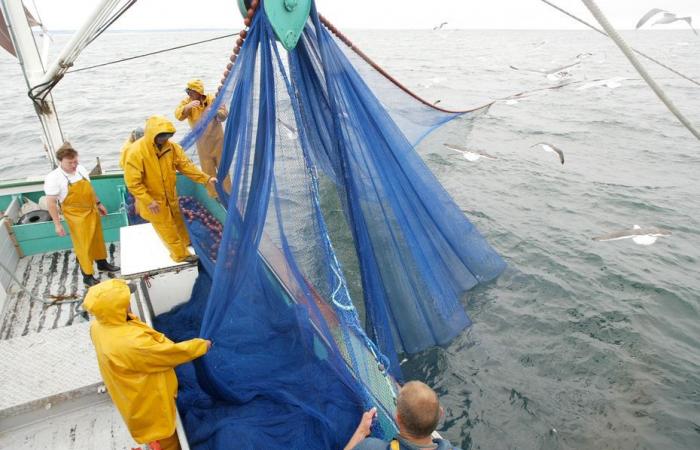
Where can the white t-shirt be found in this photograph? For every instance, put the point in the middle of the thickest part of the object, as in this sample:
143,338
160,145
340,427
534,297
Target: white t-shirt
56,182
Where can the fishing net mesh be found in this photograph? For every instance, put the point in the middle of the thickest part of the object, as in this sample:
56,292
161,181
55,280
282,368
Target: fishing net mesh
332,216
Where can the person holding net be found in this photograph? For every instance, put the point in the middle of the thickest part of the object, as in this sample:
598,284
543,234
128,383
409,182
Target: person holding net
137,364
418,413
150,173
210,143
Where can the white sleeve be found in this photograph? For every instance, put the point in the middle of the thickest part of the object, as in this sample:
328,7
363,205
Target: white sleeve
51,184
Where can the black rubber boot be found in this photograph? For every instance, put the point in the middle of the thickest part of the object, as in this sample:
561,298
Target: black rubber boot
104,266
90,281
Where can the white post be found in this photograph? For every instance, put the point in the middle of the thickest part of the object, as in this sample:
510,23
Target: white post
33,69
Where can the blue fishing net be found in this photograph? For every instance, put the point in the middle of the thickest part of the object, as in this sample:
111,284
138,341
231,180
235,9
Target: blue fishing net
331,212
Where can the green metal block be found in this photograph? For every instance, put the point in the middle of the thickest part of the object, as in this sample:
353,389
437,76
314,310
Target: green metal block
288,18
45,245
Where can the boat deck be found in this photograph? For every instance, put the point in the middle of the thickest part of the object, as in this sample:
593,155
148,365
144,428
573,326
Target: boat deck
52,395
51,390
50,274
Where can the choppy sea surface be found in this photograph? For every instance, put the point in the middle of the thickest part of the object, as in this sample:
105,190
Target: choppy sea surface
579,344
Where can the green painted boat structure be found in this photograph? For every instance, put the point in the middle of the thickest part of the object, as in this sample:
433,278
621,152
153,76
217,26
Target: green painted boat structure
287,17
36,238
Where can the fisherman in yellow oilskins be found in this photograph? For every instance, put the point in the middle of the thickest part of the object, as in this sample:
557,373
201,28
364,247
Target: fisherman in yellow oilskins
210,143
135,135
137,364
69,185
150,175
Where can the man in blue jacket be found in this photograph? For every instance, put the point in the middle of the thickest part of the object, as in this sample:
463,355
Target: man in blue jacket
418,412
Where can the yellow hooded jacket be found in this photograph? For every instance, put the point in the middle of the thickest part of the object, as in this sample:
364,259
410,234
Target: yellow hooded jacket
136,362
150,172
124,152
211,141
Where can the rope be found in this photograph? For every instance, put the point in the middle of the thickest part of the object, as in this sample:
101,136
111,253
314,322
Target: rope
600,17
593,27
31,296
153,53
379,69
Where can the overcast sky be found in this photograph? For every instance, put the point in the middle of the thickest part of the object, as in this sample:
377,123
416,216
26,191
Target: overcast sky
372,14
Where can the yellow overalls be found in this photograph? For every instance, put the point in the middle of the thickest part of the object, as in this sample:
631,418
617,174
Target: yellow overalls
150,175
211,142
80,211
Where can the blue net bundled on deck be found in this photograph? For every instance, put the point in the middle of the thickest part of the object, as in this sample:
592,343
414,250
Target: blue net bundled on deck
326,183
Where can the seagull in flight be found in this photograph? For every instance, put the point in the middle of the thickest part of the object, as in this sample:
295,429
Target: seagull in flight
557,73
469,155
610,83
551,149
665,18
439,27
639,235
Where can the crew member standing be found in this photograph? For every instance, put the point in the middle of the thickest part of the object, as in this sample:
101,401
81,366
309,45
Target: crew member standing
210,143
69,185
136,363
150,175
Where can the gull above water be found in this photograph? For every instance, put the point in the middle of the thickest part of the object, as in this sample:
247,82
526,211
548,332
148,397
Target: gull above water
556,73
639,235
666,18
469,154
610,83
550,148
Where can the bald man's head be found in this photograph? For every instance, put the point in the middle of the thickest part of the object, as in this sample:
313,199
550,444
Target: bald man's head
417,409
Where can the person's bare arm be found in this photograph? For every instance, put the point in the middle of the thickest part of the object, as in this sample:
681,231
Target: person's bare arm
363,429
52,201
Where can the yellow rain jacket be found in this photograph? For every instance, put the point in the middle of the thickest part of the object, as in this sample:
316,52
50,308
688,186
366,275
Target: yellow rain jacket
124,152
150,174
136,362
133,137
211,142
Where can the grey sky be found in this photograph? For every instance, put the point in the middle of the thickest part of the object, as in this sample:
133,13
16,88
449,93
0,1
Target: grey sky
373,14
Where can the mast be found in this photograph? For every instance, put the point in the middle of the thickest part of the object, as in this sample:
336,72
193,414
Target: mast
41,79
33,70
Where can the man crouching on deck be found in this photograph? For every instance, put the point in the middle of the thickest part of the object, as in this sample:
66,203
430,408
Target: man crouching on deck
137,364
150,175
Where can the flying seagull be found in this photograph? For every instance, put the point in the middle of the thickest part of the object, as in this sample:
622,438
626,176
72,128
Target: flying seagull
611,83
439,27
556,73
666,18
641,236
469,155
551,149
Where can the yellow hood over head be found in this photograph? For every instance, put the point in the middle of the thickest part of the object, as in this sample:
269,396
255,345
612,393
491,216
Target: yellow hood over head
156,125
196,85
109,301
